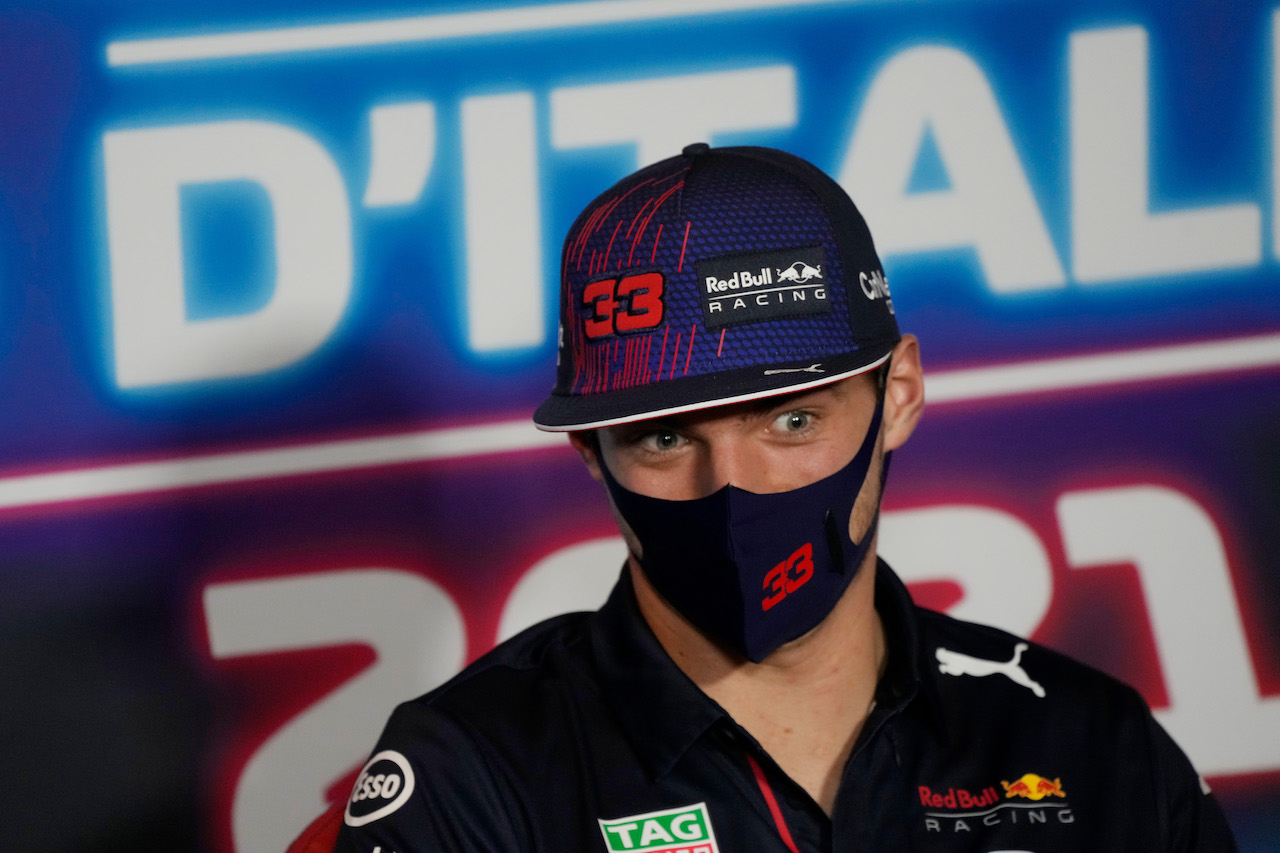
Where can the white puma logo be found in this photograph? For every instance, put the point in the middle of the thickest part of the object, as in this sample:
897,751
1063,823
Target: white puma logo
954,663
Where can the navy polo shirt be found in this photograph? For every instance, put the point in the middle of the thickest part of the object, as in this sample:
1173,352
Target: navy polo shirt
581,734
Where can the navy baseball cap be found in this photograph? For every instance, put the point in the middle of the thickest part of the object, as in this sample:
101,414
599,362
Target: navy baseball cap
714,277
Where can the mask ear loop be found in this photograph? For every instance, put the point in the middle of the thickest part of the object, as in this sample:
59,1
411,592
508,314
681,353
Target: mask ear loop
830,526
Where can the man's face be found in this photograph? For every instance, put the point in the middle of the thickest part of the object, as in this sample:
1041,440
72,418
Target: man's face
764,446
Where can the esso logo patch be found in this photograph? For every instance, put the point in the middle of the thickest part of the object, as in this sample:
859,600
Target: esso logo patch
383,786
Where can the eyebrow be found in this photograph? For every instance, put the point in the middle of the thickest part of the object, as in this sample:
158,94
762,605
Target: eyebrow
764,405
753,408
836,389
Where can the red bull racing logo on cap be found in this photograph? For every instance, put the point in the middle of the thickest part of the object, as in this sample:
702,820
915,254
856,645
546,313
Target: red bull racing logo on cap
752,288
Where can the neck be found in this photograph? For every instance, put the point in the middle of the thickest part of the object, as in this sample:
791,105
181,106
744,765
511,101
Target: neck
807,702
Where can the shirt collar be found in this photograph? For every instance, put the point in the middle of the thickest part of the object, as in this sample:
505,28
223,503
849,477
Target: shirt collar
663,712
908,670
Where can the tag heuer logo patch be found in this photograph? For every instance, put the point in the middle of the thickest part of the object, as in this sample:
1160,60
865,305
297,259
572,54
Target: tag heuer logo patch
763,286
686,829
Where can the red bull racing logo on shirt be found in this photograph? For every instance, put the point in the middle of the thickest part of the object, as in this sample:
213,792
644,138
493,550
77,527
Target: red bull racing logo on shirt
686,829
952,811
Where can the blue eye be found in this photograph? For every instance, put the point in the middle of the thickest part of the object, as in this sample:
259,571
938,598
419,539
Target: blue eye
662,440
795,421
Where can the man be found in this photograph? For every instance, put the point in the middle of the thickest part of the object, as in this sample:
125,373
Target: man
731,371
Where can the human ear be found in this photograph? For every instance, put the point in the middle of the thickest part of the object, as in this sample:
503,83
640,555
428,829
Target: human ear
587,443
903,393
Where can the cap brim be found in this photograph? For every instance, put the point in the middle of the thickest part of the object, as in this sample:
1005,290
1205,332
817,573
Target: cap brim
562,413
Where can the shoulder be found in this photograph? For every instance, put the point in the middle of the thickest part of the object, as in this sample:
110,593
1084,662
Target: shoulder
452,768
1029,709
553,651
962,651
1025,701
500,704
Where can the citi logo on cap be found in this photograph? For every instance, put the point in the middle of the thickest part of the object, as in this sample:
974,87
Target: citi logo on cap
875,286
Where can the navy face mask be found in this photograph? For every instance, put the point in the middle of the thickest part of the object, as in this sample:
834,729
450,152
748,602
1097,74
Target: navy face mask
754,571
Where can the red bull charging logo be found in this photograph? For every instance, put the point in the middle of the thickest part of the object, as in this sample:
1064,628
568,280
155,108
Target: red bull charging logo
1034,787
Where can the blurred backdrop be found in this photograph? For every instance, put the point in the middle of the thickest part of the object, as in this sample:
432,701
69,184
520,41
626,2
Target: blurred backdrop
277,297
